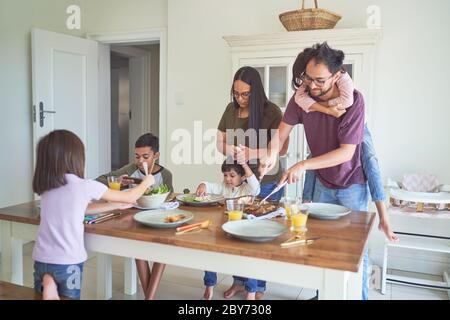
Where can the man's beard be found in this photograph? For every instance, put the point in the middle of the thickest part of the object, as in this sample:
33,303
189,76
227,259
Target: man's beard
322,92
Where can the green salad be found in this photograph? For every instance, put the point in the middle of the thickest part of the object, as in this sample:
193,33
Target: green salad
164,188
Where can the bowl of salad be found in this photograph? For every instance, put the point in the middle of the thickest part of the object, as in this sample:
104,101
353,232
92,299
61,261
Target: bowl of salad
153,198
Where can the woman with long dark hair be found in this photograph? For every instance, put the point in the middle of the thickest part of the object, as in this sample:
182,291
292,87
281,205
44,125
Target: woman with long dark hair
247,126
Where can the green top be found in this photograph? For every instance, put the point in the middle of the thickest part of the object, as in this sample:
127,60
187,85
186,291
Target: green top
129,169
233,124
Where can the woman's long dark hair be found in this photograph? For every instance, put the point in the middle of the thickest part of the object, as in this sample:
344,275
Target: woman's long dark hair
257,98
58,153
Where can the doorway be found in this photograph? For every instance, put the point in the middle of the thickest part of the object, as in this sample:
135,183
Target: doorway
134,97
146,52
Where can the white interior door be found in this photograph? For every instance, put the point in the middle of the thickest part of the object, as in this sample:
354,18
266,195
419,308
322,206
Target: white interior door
65,90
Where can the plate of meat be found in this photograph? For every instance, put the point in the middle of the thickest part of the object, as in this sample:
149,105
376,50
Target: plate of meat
257,210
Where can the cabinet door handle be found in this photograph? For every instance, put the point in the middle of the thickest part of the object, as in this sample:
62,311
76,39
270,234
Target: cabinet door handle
42,114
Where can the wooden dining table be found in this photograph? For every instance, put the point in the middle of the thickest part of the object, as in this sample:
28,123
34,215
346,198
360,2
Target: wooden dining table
332,263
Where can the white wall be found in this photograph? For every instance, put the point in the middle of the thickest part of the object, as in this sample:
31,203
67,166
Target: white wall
119,15
17,17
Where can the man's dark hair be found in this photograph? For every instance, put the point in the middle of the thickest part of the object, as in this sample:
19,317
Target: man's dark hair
148,140
321,53
228,165
58,153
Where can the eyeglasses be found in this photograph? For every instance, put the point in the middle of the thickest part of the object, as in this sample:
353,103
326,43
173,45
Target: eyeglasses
307,79
244,95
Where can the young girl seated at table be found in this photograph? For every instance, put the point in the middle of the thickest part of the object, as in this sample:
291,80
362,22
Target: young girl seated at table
238,180
59,251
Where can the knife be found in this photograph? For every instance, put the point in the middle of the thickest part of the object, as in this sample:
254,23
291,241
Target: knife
278,188
299,242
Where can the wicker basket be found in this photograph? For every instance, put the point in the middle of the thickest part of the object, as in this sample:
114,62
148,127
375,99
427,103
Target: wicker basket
309,19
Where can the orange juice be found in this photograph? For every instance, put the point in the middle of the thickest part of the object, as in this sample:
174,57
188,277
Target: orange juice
299,222
234,215
114,185
288,211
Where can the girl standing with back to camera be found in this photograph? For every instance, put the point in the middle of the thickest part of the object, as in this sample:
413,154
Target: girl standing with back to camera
59,252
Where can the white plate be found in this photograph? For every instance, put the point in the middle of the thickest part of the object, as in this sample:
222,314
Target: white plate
215,198
326,211
254,230
155,218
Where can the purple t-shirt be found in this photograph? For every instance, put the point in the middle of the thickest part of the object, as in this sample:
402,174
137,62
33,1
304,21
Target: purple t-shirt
60,238
326,133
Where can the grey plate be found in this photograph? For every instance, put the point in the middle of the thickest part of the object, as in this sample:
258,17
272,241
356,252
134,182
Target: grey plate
155,218
326,211
254,230
214,201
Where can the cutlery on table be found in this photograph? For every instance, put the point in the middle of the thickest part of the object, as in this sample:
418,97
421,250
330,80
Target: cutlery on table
201,225
290,243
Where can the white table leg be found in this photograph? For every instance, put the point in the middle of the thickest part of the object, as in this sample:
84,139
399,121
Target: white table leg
6,254
384,271
17,261
130,277
104,276
355,284
334,285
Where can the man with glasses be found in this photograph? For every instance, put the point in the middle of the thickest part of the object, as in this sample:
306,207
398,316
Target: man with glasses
335,143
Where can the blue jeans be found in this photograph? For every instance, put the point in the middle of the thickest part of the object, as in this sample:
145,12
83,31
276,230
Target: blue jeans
68,278
370,166
267,188
356,198
251,285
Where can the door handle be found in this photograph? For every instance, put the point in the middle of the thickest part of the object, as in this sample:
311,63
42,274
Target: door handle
42,114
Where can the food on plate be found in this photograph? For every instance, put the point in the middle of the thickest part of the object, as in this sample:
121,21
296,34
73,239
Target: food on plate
202,198
158,190
174,218
257,210
193,198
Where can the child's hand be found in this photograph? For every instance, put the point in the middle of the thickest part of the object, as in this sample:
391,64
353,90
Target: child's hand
336,112
242,155
201,190
149,180
384,226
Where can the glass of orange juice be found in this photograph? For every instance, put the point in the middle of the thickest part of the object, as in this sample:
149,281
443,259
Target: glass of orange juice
235,210
298,220
291,206
114,183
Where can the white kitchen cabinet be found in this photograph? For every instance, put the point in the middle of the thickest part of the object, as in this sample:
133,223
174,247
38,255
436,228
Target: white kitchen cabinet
273,56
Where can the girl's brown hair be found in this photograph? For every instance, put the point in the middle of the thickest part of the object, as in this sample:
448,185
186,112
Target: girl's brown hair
58,153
